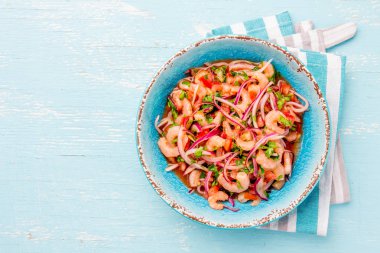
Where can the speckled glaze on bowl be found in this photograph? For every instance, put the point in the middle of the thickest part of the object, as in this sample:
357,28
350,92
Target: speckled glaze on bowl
309,161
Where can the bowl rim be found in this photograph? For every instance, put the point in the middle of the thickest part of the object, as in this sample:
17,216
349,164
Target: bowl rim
275,213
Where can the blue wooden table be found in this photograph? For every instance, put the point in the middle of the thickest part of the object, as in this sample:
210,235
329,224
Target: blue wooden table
71,76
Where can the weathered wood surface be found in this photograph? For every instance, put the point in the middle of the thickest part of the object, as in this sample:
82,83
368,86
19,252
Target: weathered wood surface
71,76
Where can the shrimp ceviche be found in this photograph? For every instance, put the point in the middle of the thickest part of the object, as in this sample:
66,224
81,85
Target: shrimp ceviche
230,129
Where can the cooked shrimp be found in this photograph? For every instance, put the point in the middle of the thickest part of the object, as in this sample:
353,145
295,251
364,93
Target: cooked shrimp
168,149
253,90
214,200
229,90
187,109
245,101
194,178
241,197
172,135
218,118
202,74
201,118
261,78
241,184
271,121
245,141
228,130
288,162
269,70
214,143
265,162
176,99
291,136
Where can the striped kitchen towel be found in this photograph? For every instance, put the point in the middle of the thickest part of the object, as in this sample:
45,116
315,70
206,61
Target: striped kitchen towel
329,70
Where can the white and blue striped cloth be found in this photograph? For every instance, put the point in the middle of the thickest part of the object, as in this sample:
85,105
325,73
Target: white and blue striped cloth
312,216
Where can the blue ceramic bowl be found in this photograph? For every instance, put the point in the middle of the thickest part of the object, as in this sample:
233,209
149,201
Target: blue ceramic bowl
309,161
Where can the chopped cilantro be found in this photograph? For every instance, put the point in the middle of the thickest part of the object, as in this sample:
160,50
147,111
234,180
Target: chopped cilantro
238,184
217,94
203,174
180,159
207,98
281,99
286,122
280,177
183,95
256,68
206,106
221,73
209,119
205,77
214,183
214,169
242,74
173,109
236,83
269,90
198,153
239,162
175,140
186,82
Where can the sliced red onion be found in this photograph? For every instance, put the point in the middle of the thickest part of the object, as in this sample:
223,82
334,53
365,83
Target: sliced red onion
194,166
216,64
297,107
256,101
267,185
302,108
180,146
232,208
172,167
239,64
228,116
240,91
265,66
211,159
255,167
210,134
200,190
262,105
226,167
195,93
192,151
273,101
232,201
156,124
196,124
262,141
209,126
259,188
207,179
237,109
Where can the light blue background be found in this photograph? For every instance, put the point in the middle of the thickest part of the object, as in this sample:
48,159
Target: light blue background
71,76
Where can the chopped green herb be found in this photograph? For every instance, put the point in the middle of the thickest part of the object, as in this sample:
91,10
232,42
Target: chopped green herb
262,171
280,177
236,83
180,159
281,99
256,68
173,109
286,122
203,174
239,162
206,106
244,75
198,153
269,90
221,73
207,98
217,94
233,73
183,95
175,140
186,82
209,119
214,183
238,184
214,169
205,77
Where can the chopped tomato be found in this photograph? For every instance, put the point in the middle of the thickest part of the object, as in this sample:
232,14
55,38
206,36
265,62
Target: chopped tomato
213,190
250,196
284,87
206,82
269,175
228,144
223,135
203,133
184,121
289,116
